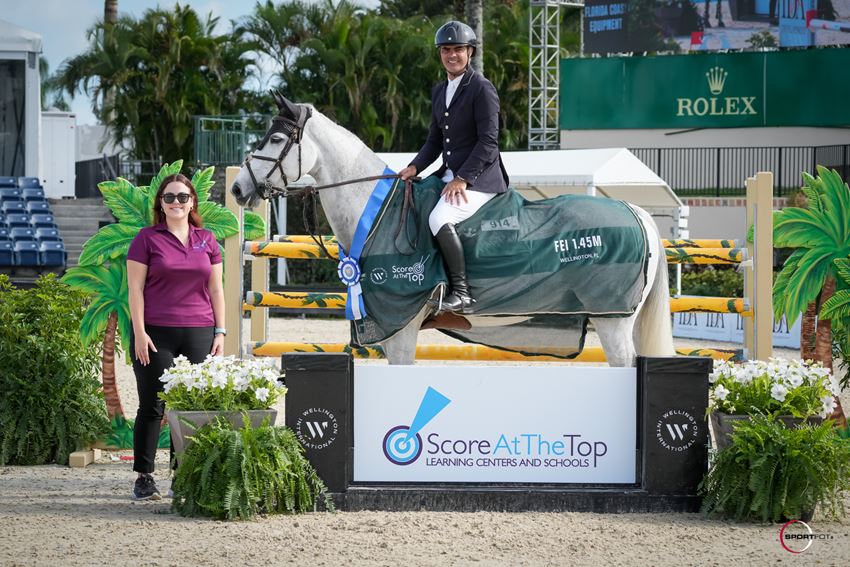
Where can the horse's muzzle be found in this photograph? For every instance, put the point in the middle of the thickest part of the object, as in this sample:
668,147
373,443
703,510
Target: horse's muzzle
245,199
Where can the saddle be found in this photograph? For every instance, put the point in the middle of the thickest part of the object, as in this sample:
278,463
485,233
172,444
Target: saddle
535,268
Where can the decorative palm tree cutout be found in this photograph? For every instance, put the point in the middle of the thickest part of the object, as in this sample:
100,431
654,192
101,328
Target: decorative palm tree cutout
102,271
820,235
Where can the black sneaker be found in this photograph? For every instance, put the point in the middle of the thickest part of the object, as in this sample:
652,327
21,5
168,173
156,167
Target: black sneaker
145,488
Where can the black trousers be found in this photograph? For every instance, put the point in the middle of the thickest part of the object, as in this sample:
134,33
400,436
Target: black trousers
195,344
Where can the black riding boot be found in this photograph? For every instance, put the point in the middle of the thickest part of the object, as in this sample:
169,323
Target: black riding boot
459,300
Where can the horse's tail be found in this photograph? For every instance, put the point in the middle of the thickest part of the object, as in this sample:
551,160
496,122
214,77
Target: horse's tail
653,332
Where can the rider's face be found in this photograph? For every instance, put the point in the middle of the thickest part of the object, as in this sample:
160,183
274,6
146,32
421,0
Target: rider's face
455,58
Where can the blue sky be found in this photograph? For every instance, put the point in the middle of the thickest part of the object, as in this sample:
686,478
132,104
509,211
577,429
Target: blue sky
62,25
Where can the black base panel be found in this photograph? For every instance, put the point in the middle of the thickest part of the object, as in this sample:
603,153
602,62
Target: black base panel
501,499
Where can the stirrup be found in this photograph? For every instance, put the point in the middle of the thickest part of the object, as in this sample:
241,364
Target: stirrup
458,304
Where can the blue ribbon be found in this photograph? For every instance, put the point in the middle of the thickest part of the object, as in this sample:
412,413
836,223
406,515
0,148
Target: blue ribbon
349,263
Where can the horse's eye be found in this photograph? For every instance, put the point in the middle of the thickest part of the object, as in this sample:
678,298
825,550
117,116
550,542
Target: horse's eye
277,138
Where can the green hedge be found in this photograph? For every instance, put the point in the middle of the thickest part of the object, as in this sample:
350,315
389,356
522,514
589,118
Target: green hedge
710,283
50,397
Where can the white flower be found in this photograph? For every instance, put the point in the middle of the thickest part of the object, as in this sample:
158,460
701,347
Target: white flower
828,405
794,378
219,379
720,392
833,386
262,394
241,383
778,392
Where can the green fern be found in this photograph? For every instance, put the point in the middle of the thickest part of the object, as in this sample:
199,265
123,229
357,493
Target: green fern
769,472
229,473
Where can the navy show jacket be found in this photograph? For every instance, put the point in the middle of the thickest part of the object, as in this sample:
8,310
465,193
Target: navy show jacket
466,134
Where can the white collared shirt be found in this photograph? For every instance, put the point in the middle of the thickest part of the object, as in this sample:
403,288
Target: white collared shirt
451,89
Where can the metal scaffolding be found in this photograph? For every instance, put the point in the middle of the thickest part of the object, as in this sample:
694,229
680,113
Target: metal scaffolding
544,37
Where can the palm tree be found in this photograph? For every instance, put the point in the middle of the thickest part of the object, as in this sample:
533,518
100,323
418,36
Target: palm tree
148,77
820,235
107,311
474,12
51,93
110,11
102,269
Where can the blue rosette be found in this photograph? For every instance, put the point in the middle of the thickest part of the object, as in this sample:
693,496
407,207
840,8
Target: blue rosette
348,270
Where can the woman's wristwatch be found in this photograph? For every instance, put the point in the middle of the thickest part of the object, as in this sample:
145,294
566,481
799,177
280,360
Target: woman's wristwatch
220,331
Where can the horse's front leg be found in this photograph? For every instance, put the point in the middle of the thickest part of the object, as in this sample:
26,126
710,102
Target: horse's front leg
401,348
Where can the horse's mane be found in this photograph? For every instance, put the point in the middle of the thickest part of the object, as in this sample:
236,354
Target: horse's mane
347,133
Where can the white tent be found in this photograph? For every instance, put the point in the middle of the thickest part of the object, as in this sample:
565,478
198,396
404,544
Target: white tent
611,172
13,38
20,109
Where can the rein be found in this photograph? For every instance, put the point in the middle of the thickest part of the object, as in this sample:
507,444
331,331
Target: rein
311,191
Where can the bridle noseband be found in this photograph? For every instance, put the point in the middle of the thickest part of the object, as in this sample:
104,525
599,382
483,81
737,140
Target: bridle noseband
294,130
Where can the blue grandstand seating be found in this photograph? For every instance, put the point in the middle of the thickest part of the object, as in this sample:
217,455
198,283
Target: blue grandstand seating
19,233
42,220
32,194
5,233
27,253
38,208
7,253
13,207
47,234
10,194
18,219
6,181
28,182
53,253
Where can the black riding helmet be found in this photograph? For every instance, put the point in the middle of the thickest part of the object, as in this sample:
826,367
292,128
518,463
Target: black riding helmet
455,33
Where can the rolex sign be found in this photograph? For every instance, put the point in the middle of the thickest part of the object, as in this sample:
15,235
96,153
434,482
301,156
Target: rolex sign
730,90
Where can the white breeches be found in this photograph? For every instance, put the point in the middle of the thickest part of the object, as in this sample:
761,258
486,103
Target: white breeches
445,212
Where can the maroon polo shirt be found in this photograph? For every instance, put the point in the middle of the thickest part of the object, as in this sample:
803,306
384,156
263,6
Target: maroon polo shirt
176,289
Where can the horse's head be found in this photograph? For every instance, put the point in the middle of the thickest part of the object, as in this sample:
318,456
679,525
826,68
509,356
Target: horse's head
279,158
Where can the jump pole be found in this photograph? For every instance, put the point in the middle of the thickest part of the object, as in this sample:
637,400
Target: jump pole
233,272
758,275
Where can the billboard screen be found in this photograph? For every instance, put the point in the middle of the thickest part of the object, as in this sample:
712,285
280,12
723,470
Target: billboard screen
710,25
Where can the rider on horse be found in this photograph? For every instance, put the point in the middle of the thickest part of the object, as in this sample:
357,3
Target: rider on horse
465,130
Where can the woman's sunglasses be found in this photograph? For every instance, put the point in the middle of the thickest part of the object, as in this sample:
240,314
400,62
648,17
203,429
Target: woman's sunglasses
182,198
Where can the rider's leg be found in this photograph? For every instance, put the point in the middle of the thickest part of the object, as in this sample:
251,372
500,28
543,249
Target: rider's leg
459,299
442,220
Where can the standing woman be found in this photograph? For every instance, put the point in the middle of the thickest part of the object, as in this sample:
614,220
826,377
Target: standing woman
177,308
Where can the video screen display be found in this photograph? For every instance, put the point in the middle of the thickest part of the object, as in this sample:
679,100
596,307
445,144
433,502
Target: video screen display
710,25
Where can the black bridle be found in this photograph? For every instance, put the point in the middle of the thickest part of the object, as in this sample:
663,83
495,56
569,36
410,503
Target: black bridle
294,131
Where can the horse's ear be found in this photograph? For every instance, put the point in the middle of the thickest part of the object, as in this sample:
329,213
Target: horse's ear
285,107
278,98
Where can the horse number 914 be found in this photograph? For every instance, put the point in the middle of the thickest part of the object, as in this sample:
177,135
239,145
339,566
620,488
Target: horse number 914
567,244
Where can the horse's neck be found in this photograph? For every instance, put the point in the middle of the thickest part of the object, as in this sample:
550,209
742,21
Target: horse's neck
342,157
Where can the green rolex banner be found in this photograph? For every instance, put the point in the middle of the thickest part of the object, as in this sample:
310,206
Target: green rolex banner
784,88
